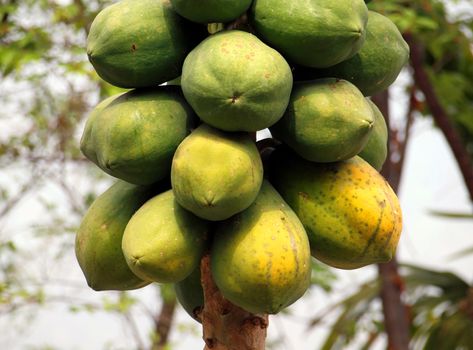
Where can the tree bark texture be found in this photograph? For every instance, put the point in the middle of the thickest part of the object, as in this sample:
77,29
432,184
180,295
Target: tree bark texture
439,114
225,325
396,321
163,324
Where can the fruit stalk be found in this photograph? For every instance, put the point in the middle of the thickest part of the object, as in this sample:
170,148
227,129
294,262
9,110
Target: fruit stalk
226,326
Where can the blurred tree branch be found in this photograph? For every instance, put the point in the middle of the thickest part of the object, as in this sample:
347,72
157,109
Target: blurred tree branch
439,114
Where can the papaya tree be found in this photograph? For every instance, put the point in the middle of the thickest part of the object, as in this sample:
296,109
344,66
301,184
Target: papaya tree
318,198
29,57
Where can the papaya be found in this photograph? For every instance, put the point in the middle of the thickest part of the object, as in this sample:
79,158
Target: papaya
312,33
211,11
216,174
350,213
96,111
99,238
260,258
375,151
377,64
190,294
235,82
327,120
134,137
162,241
139,43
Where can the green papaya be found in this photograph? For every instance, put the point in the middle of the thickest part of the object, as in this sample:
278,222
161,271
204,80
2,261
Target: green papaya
139,43
164,242
235,82
327,120
350,213
190,294
210,11
134,137
312,33
260,258
99,238
377,64
376,150
216,174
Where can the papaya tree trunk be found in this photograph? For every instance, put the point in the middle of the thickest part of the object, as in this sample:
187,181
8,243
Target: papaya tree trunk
396,321
225,325
163,324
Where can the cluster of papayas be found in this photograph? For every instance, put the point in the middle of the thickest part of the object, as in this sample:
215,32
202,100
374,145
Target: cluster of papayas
192,177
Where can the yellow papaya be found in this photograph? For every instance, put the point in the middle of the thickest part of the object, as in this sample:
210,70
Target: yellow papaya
351,214
260,258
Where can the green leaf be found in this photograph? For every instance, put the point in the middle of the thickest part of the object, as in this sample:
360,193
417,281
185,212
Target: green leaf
421,277
462,253
322,276
450,215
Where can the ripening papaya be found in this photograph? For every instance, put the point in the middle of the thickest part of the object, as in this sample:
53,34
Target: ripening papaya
312,33
327,120
216,174
162,241
99,238
139,43
351,214
135,135
260,258
210,11
235,82
375,151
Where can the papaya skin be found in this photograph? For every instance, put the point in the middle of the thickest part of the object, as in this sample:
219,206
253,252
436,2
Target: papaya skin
376,65
190,294
260,258
235,82
327,120
350,213
216,174
210,11
314,33
164,242
99,238
85,141
376,150
139,43
134,137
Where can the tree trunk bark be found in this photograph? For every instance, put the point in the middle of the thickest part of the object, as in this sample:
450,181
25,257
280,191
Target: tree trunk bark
226,326
396,321
439,114
163,324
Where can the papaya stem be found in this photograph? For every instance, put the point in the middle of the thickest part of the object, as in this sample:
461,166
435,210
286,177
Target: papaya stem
225,325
